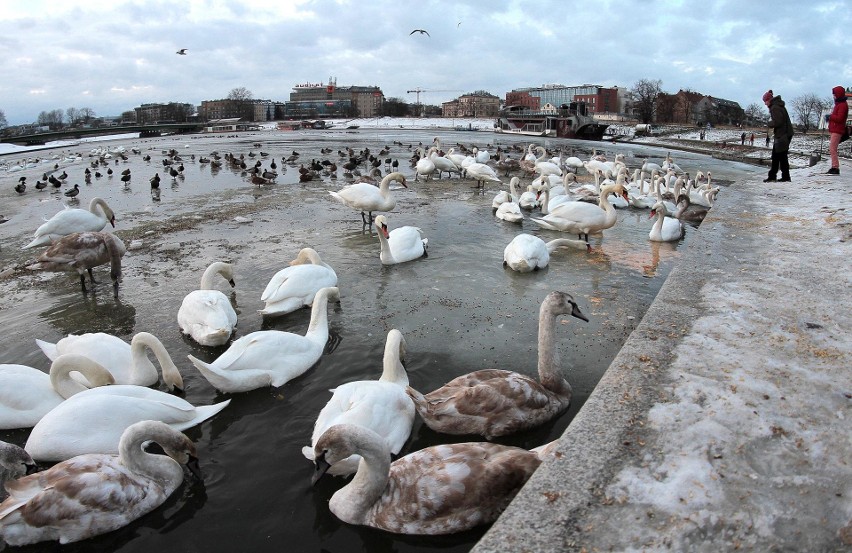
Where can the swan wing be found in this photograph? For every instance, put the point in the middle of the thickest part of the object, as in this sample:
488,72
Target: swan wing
298,281
26,395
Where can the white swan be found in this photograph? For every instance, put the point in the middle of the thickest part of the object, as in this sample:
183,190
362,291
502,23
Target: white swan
510,210
582,218
494,402
93,494
71,220
93,420
481,173
505,195
295,286
443,164
80,252
14,463
665,229
128,363
438,490
271,357
367,198
206,314
380,405
401,244
526,253
544,167
28,394
529,199
424,167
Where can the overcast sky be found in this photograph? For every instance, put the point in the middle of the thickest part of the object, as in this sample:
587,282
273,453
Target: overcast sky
114,55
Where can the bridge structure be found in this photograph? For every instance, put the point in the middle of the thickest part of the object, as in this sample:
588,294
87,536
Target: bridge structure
144,130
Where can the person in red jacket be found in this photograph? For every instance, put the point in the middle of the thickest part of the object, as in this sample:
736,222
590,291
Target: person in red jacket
837,126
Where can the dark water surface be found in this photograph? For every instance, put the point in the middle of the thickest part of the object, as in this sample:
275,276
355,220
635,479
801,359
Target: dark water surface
458,309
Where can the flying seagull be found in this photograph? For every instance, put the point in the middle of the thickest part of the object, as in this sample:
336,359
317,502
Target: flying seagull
421,31
182,52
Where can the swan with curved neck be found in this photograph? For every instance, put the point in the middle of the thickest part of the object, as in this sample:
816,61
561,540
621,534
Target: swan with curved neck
380,405
365,197
526,253
271,357
71,220
295,286
28,394
401,244
128,364
441,489
665,229
206,314
80,252
510,210
494,402
545,167
583,218
94,494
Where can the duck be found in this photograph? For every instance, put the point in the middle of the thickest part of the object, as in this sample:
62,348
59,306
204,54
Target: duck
271,357
93,420
14,463
71,220
380,405
28,394
72,192
527,253
206,314
128,363
665,229
81,252
496,402
442,489
295,286
582,218
367,198
401,244
93,494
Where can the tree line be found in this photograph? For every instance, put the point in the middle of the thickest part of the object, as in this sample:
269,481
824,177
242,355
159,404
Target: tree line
805,109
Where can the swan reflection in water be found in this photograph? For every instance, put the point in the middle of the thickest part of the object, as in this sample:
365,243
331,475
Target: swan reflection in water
94,313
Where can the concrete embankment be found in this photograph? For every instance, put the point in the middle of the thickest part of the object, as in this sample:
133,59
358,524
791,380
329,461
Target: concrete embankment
724,422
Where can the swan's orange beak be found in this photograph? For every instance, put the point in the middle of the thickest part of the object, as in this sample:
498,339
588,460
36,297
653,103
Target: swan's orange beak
653,214
384,230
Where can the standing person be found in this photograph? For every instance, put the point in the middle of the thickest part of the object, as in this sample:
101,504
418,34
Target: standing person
742,139
767,139
837,126
783,133
751,141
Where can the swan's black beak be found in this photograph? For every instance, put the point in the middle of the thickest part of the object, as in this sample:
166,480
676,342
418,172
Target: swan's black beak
322,467
194,467
575,311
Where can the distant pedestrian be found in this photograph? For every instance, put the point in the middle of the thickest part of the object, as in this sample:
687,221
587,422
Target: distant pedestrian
767,139
837,127
782,129
742,139
751,140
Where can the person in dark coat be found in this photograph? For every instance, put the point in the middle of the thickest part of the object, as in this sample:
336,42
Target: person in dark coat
783,133
837,126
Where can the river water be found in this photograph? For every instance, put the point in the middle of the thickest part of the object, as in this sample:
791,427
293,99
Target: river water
458,309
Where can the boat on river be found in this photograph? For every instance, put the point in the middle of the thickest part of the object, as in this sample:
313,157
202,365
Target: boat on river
567,121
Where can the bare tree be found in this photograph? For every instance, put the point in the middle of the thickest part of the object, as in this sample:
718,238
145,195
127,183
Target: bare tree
755,112
87,114
808,108
645,93
241,93
3,122
73,115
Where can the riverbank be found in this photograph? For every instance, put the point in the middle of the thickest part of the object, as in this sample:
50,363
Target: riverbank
722,424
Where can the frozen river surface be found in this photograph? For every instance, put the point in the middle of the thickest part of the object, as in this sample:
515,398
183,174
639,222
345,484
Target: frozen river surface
458,309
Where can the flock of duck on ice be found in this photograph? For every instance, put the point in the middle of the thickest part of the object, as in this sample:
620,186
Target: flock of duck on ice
98,381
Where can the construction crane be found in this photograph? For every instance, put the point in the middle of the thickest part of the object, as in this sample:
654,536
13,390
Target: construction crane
418,90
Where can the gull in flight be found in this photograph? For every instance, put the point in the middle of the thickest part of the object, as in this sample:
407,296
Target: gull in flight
182,52
421,31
